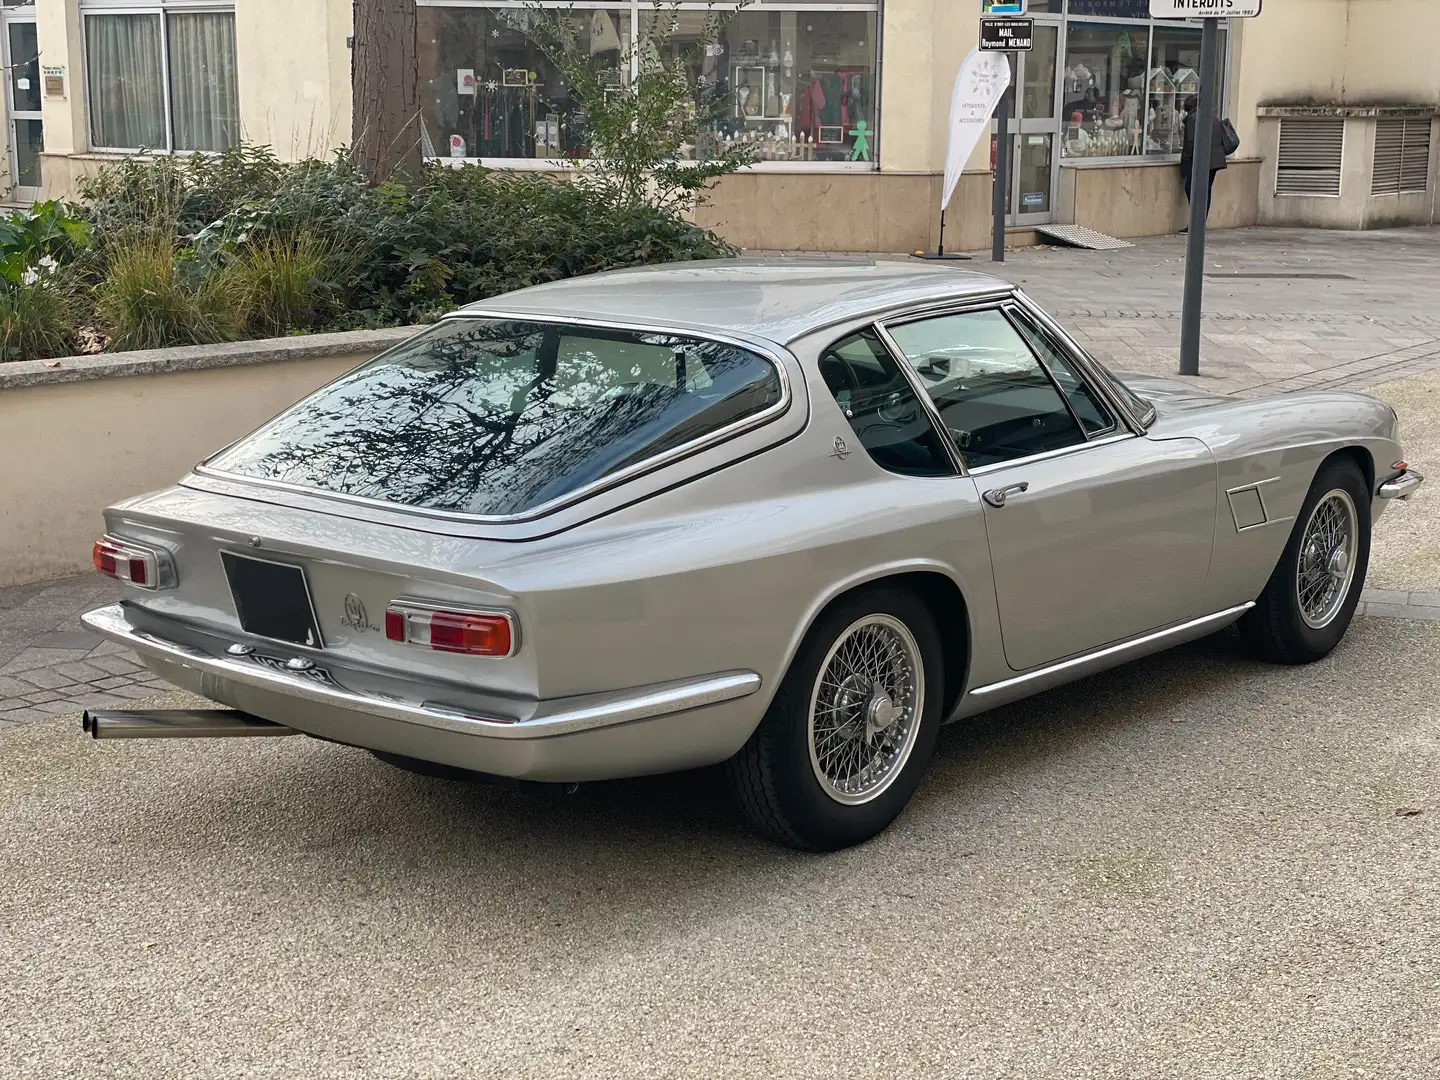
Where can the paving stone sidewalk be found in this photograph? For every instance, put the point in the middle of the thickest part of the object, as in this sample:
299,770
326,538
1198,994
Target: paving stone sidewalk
1285,309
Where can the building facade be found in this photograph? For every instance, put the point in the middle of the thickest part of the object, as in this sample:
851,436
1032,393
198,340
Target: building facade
843,102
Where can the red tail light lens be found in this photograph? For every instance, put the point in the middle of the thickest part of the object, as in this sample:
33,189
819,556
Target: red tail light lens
124,560
475,633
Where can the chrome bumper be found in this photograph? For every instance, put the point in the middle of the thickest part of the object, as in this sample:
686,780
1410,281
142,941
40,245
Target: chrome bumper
544,718
1402,486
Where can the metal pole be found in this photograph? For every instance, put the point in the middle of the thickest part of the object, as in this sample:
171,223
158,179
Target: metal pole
940,247
1002,145
1199,203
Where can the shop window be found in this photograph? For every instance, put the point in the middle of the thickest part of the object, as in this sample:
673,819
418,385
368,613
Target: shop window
137,61
487,91
795,85
1173,80
1103,91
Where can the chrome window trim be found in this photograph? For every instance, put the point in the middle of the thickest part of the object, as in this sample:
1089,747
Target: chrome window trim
1017,316
957,456
641,468
926,401
905,310
1085,365
985,470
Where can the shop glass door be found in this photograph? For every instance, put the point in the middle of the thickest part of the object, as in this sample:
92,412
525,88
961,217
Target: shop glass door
22,102
1034,125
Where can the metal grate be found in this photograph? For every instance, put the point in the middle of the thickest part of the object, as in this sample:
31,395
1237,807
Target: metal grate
1402,156
1311,152
1081,237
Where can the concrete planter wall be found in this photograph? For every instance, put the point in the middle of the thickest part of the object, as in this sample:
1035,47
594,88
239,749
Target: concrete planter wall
87,431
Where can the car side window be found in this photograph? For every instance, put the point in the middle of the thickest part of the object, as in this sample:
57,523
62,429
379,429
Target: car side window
1094,417
993,396
886,415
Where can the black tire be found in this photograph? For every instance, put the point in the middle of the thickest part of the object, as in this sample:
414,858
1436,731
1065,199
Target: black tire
1276,627
773,779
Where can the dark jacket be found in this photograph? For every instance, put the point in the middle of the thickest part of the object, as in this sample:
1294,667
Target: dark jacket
1217,144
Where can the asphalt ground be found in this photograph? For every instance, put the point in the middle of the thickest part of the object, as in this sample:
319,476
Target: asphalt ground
1193,866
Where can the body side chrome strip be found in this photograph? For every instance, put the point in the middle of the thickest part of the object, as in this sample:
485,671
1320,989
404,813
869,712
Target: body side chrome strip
1113,650
558,716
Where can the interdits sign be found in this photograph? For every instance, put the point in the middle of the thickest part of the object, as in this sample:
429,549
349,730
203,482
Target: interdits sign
1204,9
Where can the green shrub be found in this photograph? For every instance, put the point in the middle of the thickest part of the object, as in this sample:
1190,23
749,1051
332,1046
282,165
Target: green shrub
204,249
148,300
35,319
293,281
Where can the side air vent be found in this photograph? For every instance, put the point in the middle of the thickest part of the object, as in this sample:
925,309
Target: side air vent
1311,151
1402,156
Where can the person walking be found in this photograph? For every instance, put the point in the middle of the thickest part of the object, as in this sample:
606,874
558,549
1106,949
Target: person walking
1187,152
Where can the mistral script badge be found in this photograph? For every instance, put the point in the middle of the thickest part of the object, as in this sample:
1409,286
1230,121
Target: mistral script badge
356,617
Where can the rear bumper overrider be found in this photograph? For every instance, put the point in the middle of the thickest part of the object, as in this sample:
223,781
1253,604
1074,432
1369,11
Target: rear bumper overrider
632,732
1401,486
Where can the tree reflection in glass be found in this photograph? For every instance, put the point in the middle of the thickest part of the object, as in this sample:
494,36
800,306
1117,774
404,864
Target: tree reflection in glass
496,417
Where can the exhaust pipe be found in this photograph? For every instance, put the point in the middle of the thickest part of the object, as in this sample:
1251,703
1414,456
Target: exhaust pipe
178,724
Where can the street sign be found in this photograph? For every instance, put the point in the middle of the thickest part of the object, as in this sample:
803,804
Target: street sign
1002,7
1204,9
1007,35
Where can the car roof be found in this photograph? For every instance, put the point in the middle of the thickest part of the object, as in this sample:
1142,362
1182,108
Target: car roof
777,298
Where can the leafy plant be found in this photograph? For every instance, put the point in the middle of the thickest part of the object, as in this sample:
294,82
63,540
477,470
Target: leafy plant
39,238
149,301
196,250
35,320
650,140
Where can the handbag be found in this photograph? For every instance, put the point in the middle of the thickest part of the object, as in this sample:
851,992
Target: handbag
1229,137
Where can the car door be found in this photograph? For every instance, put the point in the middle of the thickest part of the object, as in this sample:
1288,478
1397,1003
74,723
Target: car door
1096,533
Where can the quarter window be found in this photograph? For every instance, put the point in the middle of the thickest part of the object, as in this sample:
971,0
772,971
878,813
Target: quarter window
994,397
883,409
1093,415
161,77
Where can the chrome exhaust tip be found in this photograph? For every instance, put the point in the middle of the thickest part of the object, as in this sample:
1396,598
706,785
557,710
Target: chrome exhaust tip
178,724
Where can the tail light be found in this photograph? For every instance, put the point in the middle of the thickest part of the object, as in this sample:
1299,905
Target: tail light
141,566
459,630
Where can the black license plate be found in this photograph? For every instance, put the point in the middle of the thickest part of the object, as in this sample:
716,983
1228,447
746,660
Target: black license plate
272,600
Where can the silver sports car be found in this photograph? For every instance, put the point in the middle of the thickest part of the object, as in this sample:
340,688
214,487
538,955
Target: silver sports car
787,516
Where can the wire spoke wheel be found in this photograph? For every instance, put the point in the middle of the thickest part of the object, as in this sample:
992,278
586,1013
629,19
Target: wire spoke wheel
865,709
1328,554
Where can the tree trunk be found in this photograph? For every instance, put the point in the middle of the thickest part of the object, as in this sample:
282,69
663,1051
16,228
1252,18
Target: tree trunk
385,81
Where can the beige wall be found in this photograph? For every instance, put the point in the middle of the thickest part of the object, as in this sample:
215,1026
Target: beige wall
1355,207
294,74
57,26
1336,52
89,444
1149,199
847,211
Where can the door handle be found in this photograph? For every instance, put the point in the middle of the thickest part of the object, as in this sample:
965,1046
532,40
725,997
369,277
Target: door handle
997,496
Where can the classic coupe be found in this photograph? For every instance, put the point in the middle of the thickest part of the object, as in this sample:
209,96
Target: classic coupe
786,515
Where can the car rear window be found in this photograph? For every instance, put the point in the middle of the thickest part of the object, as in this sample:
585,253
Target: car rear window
498,417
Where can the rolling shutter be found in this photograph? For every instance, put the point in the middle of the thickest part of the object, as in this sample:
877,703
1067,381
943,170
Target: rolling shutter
1402,156
1310,156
